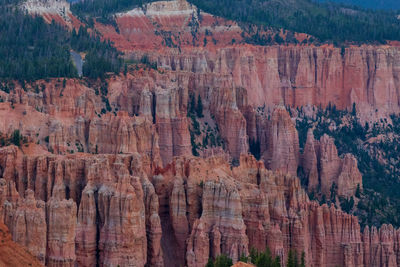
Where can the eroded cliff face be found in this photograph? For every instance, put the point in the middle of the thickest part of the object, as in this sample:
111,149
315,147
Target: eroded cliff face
106,176
194,41
169,24
302,75
140,204
52,10
111,210
94,210
13,254
144,111
324,169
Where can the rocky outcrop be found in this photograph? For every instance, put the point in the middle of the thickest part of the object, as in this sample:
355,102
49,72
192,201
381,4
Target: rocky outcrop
172,123
52,10
299,76
310,162
231,122
282,150
105,222
29,225
133,195
61,232
13,254
174,24
324,169
115,209
122,134
122,221
220,229
153,225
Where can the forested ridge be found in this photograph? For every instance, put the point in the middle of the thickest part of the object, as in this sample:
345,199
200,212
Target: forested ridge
328,22
373,4
325,20
104,9
378,161
32,49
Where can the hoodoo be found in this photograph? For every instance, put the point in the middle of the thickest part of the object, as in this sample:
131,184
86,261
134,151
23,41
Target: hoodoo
199,133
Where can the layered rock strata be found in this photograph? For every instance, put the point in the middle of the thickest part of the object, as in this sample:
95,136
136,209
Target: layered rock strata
13,254
109,209
325,170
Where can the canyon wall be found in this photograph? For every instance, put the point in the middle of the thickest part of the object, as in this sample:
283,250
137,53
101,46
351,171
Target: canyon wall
302,75
104,172
112,210
180,37
13,254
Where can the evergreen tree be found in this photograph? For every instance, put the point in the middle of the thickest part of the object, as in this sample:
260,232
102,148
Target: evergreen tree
296,259
354,110
210,263
276,262
16,138
244,258
291,259
32,49
327,21
358,191
199,109
303,259
253,255
223,261
192,104
278,39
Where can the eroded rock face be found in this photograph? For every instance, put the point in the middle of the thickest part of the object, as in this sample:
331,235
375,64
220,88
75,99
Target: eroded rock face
231,122
52,10
333,171
86,229
103,221
172,123
142,199
282,148
300,76
122,219
29,226
61,229
310,162
105,209
13,254
234,82
220,229
153,225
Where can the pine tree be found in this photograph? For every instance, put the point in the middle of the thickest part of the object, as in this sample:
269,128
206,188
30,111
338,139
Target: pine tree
16,138
253,255
303,260
277,262
354,110
210,263
296,259
199,109
125,69
223,261
358,191
291,260
244,258
192,104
